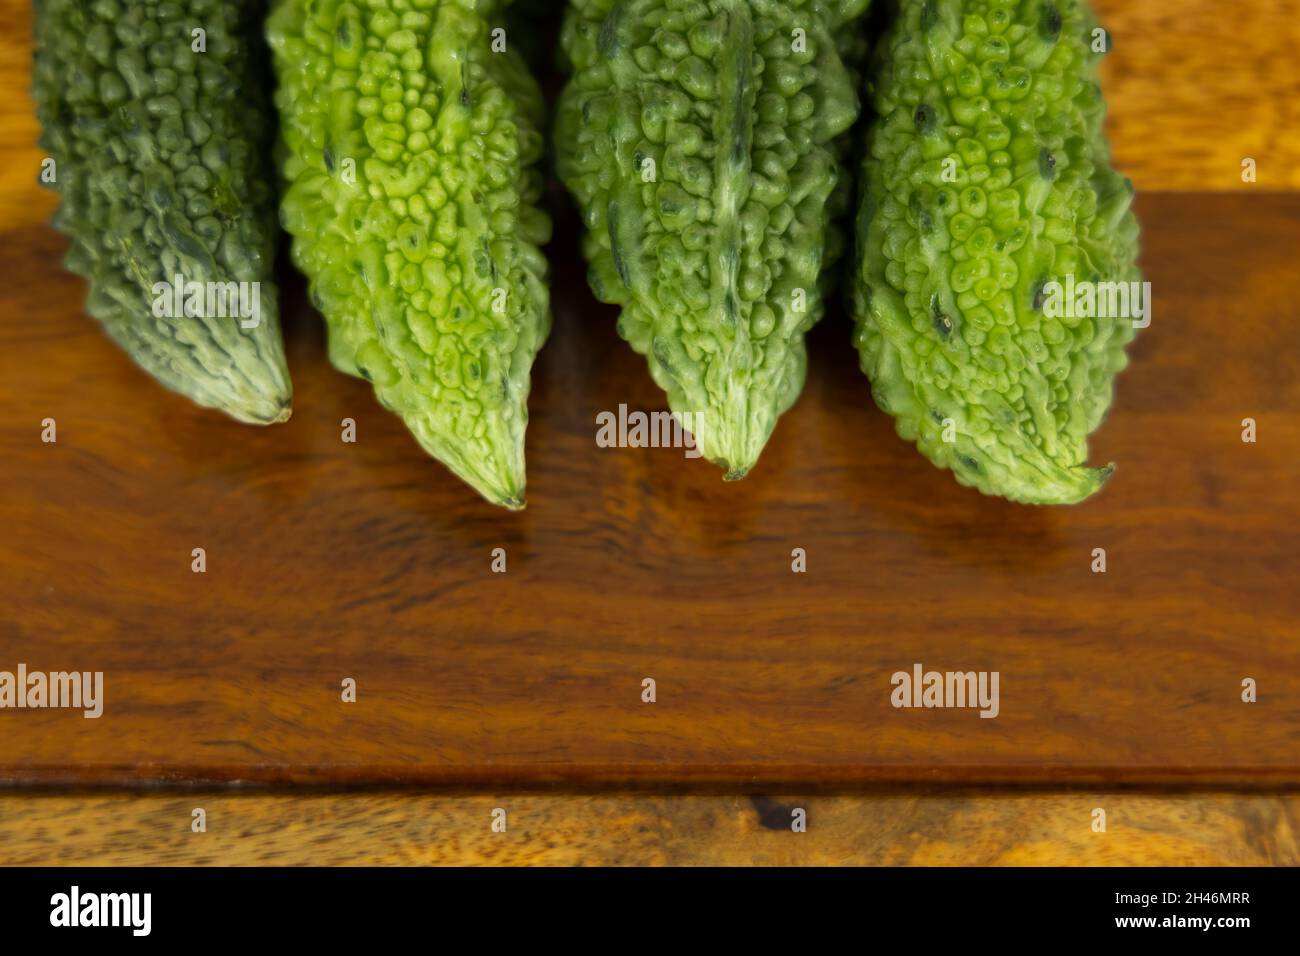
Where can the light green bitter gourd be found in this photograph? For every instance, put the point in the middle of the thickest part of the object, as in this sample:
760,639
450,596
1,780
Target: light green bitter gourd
703,142
410,138
987,193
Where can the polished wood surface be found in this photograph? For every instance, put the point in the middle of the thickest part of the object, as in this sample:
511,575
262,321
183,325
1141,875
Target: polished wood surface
328,561
404,829
1195,87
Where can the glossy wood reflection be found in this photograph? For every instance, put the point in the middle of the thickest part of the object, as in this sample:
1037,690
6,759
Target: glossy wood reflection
329,560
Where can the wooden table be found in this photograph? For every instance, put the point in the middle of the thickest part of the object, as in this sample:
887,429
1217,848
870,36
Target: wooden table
523,691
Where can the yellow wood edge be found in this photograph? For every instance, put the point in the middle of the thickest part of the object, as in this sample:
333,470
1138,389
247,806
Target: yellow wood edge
982,829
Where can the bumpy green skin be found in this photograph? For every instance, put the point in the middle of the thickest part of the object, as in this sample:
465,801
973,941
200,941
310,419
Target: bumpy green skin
409,155
949,294
710,259
159,163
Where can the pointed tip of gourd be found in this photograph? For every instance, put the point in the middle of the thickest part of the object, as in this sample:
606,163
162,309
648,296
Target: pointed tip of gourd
498,476
492,464
733,448
508,494
1096,478
735,467
261,412
1034,480
278,416
1083,482
499,487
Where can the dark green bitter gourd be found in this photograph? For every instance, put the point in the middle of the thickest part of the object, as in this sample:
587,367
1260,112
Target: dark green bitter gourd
156,125
987,190
410,143
702,141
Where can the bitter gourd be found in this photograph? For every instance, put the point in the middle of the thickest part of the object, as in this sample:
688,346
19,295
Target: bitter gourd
410,137
155,121
702,140
988,183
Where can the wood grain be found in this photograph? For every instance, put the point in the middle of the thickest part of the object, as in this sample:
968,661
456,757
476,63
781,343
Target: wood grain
1193,89
328,560
1196,86
957,829
369,561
